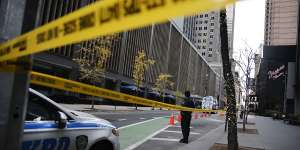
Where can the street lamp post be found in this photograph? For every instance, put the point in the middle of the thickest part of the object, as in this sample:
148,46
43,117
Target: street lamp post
285,90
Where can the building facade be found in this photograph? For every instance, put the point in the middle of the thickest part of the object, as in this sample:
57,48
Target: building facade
203,30
277,70
281,22
165,43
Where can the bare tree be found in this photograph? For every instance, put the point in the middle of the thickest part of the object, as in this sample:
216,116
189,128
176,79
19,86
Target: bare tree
246,64
229,84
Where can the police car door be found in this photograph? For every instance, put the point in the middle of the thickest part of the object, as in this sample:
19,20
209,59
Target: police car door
41,127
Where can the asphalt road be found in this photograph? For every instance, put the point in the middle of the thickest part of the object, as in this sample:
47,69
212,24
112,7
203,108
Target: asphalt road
124,118
168,138
150,130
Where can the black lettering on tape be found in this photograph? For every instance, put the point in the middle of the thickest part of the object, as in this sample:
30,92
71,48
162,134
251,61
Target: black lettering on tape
87,21
151,4
52,33
175,1
109,13
21,45
115,95
132,7
70,85
41,37
5,51
70,27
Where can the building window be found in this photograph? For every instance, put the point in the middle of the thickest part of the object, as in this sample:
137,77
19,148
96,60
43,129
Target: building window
199,41
198,47
212,24
206,21
204,34
204,40
206,15
201,16
205,28
203,54
210,49
203,47
212,18
200,22
200,28
209,55
211,36
211,30
199,34
210,42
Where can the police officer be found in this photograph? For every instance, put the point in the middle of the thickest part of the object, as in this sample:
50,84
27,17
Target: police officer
186,118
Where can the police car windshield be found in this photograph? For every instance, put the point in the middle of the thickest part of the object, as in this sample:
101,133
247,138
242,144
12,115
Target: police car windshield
38,109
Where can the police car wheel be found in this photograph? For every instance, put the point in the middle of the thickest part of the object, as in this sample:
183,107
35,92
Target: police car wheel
102,145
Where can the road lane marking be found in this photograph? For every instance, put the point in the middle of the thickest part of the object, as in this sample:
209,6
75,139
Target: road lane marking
123,119
216,120
134,124
195,133
165,139
135,145
180,127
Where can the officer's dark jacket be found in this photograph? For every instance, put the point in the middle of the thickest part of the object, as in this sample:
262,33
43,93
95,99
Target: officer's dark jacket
187,103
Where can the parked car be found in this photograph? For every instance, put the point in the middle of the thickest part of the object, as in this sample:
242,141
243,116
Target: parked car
49,125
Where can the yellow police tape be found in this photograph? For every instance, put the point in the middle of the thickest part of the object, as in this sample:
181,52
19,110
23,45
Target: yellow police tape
77,87
101,18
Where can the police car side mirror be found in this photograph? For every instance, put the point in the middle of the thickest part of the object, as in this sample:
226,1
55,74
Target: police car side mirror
62,121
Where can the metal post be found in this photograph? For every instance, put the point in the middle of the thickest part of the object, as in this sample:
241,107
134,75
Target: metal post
14,85
285,90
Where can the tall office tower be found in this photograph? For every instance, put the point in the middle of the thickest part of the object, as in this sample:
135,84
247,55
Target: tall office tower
281,22
230,10
203,30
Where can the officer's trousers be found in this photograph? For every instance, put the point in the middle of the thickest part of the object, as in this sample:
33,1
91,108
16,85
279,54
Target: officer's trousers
185,126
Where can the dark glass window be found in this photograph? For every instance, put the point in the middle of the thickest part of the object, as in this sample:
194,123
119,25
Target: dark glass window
39,109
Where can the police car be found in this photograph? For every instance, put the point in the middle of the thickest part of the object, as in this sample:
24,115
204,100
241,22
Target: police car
49,126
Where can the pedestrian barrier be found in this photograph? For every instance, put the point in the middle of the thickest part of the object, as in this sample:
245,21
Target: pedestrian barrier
102,18
77,87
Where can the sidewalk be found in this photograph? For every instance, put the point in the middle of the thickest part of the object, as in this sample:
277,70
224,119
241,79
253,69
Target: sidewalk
272,135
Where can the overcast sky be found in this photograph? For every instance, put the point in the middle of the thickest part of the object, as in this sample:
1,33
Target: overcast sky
249,24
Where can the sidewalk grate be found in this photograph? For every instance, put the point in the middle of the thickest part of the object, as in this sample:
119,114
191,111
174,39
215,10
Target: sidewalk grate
218,146
248,123
247,131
